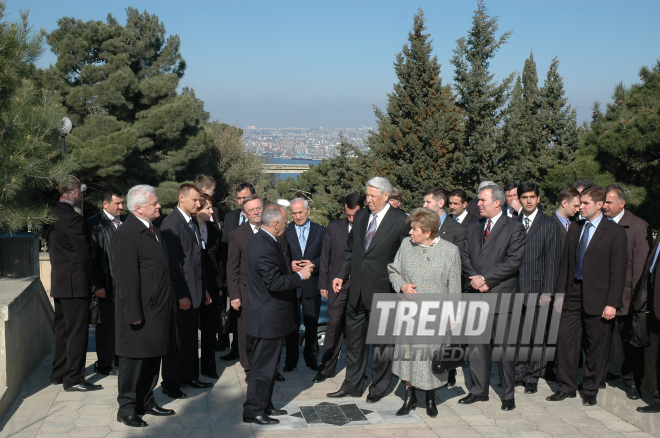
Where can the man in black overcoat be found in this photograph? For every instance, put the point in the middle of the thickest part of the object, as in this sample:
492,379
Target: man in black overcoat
272,296
332,252
72,284
144,307
181,235
101,228
372,244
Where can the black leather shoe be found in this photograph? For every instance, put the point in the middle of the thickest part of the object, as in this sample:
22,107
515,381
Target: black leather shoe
313,367
632,393
272,412
279,377
341,393
197,384
451,378
600,386
589,400
159,412
84,386
230,356
174,393
288,369
612,376
263,420
531,388
508,405
409,402
650,409
518,384
107,371
132,421
56,381
471,398
373,398
431,408
318,378
559,396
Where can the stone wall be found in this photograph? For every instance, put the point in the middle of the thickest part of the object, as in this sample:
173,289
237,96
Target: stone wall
26,332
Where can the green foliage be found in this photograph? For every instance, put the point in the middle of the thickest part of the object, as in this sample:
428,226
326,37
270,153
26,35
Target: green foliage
118,84
482,100
30,119
414,144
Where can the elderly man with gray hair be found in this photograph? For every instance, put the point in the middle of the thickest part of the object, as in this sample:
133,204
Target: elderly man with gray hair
145,307
372,244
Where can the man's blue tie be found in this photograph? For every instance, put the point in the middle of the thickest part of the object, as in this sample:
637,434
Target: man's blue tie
194,230
581,250
302,238
370,232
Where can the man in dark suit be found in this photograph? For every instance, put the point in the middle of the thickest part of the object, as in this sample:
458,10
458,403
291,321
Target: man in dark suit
237,274
101,228
513,206
372,244
592,275
145,307
272,297
435,199
640,241
332,252
305,239
538,272
491,256
458,207
72,284
182,238
473,205
651,281
233,220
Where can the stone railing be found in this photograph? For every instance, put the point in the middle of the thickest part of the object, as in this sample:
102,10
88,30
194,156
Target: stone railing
26,314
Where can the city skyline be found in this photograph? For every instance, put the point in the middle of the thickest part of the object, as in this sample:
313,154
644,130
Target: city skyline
320,63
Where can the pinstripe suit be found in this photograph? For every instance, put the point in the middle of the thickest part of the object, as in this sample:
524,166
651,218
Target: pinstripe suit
538,275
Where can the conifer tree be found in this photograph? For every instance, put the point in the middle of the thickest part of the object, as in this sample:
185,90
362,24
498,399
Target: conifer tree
482,100
30,120
118,84
418,132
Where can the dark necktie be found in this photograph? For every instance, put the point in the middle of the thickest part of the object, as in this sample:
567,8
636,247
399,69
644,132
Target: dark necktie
487,231
581,250
151,228
117,223
371,230
514,214
194,230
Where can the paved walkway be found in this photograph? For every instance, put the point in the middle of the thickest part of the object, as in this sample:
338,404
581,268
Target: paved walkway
42,410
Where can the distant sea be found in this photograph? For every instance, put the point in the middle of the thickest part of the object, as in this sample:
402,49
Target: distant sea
288,161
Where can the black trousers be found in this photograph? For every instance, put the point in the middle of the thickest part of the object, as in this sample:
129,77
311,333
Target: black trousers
137,380
244,342
183,365
208,323
105,334
334,333
480,365
261,379
529,371
632,367
311,308
654,334
71,333
598,333
357,354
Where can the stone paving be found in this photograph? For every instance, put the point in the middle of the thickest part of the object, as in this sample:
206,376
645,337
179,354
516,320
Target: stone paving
43,410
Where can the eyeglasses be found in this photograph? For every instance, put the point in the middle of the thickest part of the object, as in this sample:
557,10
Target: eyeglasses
254,210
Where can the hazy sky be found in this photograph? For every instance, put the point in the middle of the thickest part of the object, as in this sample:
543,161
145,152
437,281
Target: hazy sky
326,63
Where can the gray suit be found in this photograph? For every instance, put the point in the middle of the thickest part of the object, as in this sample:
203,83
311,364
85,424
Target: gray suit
498,260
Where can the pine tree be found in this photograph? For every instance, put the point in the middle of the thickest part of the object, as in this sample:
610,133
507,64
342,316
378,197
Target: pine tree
118,84
417,135
30,119
482,100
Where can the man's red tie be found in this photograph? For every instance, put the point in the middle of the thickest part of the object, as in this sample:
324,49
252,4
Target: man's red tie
487,231
151,227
